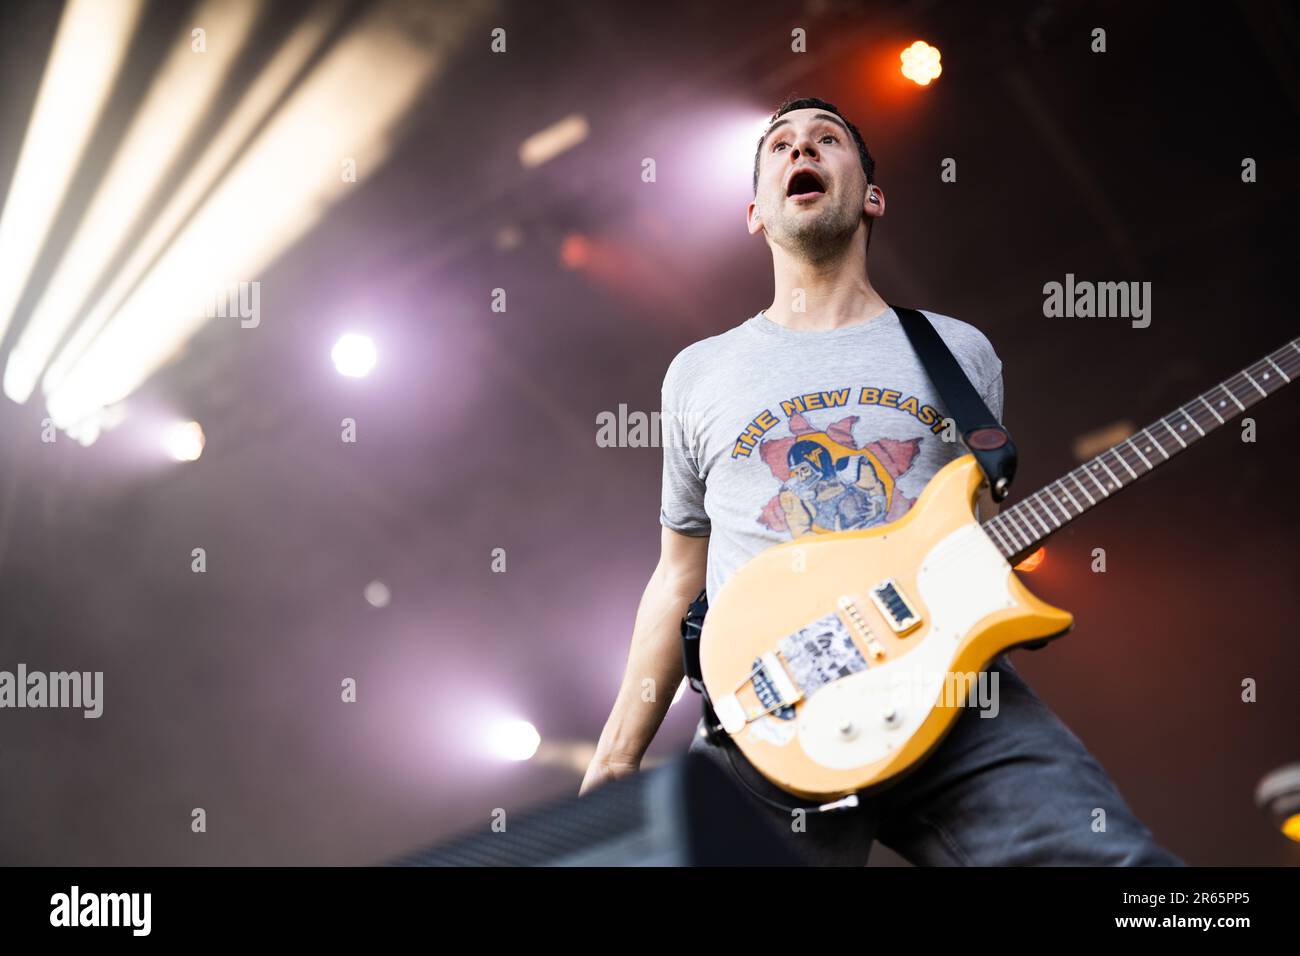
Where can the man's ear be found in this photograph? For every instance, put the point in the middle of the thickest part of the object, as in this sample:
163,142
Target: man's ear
875,209
753,222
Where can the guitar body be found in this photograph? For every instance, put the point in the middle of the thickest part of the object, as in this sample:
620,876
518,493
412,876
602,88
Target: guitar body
860,642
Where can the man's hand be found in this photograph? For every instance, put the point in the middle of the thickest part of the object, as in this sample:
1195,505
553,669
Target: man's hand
602,770
654,662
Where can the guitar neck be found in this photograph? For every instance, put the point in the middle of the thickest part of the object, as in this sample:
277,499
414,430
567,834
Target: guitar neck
1022,527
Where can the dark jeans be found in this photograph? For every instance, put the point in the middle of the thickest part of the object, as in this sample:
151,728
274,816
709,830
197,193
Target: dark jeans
1017,789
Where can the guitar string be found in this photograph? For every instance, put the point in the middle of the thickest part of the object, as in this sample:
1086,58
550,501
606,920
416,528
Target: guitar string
1288,354
1004,523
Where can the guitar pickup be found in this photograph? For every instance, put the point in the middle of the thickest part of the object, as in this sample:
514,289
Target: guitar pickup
894,607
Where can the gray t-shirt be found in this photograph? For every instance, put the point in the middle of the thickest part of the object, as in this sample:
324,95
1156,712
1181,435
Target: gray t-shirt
771,433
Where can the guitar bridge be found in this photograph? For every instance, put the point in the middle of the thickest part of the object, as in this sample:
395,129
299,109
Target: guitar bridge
771,684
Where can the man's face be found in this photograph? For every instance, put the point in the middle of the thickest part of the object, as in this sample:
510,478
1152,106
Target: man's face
811,186
802,472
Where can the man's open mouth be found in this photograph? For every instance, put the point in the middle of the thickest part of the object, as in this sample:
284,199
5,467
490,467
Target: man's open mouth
804,184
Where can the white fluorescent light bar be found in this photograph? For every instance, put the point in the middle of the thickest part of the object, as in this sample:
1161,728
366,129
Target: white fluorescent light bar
251,110
177,100
279,189
88,49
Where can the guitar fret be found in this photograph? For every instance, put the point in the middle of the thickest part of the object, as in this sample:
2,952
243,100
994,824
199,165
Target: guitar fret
1070,496
1091,499
1046,506
1104,492
1140,455
1013,520
1034,515
1026,530
1192,420
1049,511
1225,388
1212,411
1279,370
1172,432
1122,462
1147,431
1256,384
1060,505
1001,540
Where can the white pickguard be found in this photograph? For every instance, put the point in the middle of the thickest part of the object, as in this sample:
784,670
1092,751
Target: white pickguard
961,581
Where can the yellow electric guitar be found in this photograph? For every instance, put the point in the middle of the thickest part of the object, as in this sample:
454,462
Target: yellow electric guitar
837,662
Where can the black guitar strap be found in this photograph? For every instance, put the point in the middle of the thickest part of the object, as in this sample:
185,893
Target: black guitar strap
980,432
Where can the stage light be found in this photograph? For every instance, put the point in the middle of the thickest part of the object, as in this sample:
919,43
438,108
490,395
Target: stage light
178,99
514,740
1032,561
354,355
252,111
509,237
575,251
1278,795
921,63
185,441
346,109
1093,443
377,594
721,171
88,50
545,145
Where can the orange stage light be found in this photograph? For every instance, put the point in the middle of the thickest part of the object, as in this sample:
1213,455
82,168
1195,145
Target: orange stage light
575,251
921,63
1033,561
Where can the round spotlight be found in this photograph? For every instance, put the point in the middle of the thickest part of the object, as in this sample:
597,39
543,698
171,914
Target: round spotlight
1278,795
354,355
575,251
185,441
377,594
514,740
921,63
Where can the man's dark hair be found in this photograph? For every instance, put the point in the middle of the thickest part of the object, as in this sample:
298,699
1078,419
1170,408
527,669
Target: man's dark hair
811,103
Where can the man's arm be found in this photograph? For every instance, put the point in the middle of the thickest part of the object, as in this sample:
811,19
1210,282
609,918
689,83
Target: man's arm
656,653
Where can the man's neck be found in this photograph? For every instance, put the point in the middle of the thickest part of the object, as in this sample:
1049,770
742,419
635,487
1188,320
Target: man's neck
832,294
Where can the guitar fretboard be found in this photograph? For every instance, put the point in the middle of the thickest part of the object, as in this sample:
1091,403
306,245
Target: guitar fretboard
1020,528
